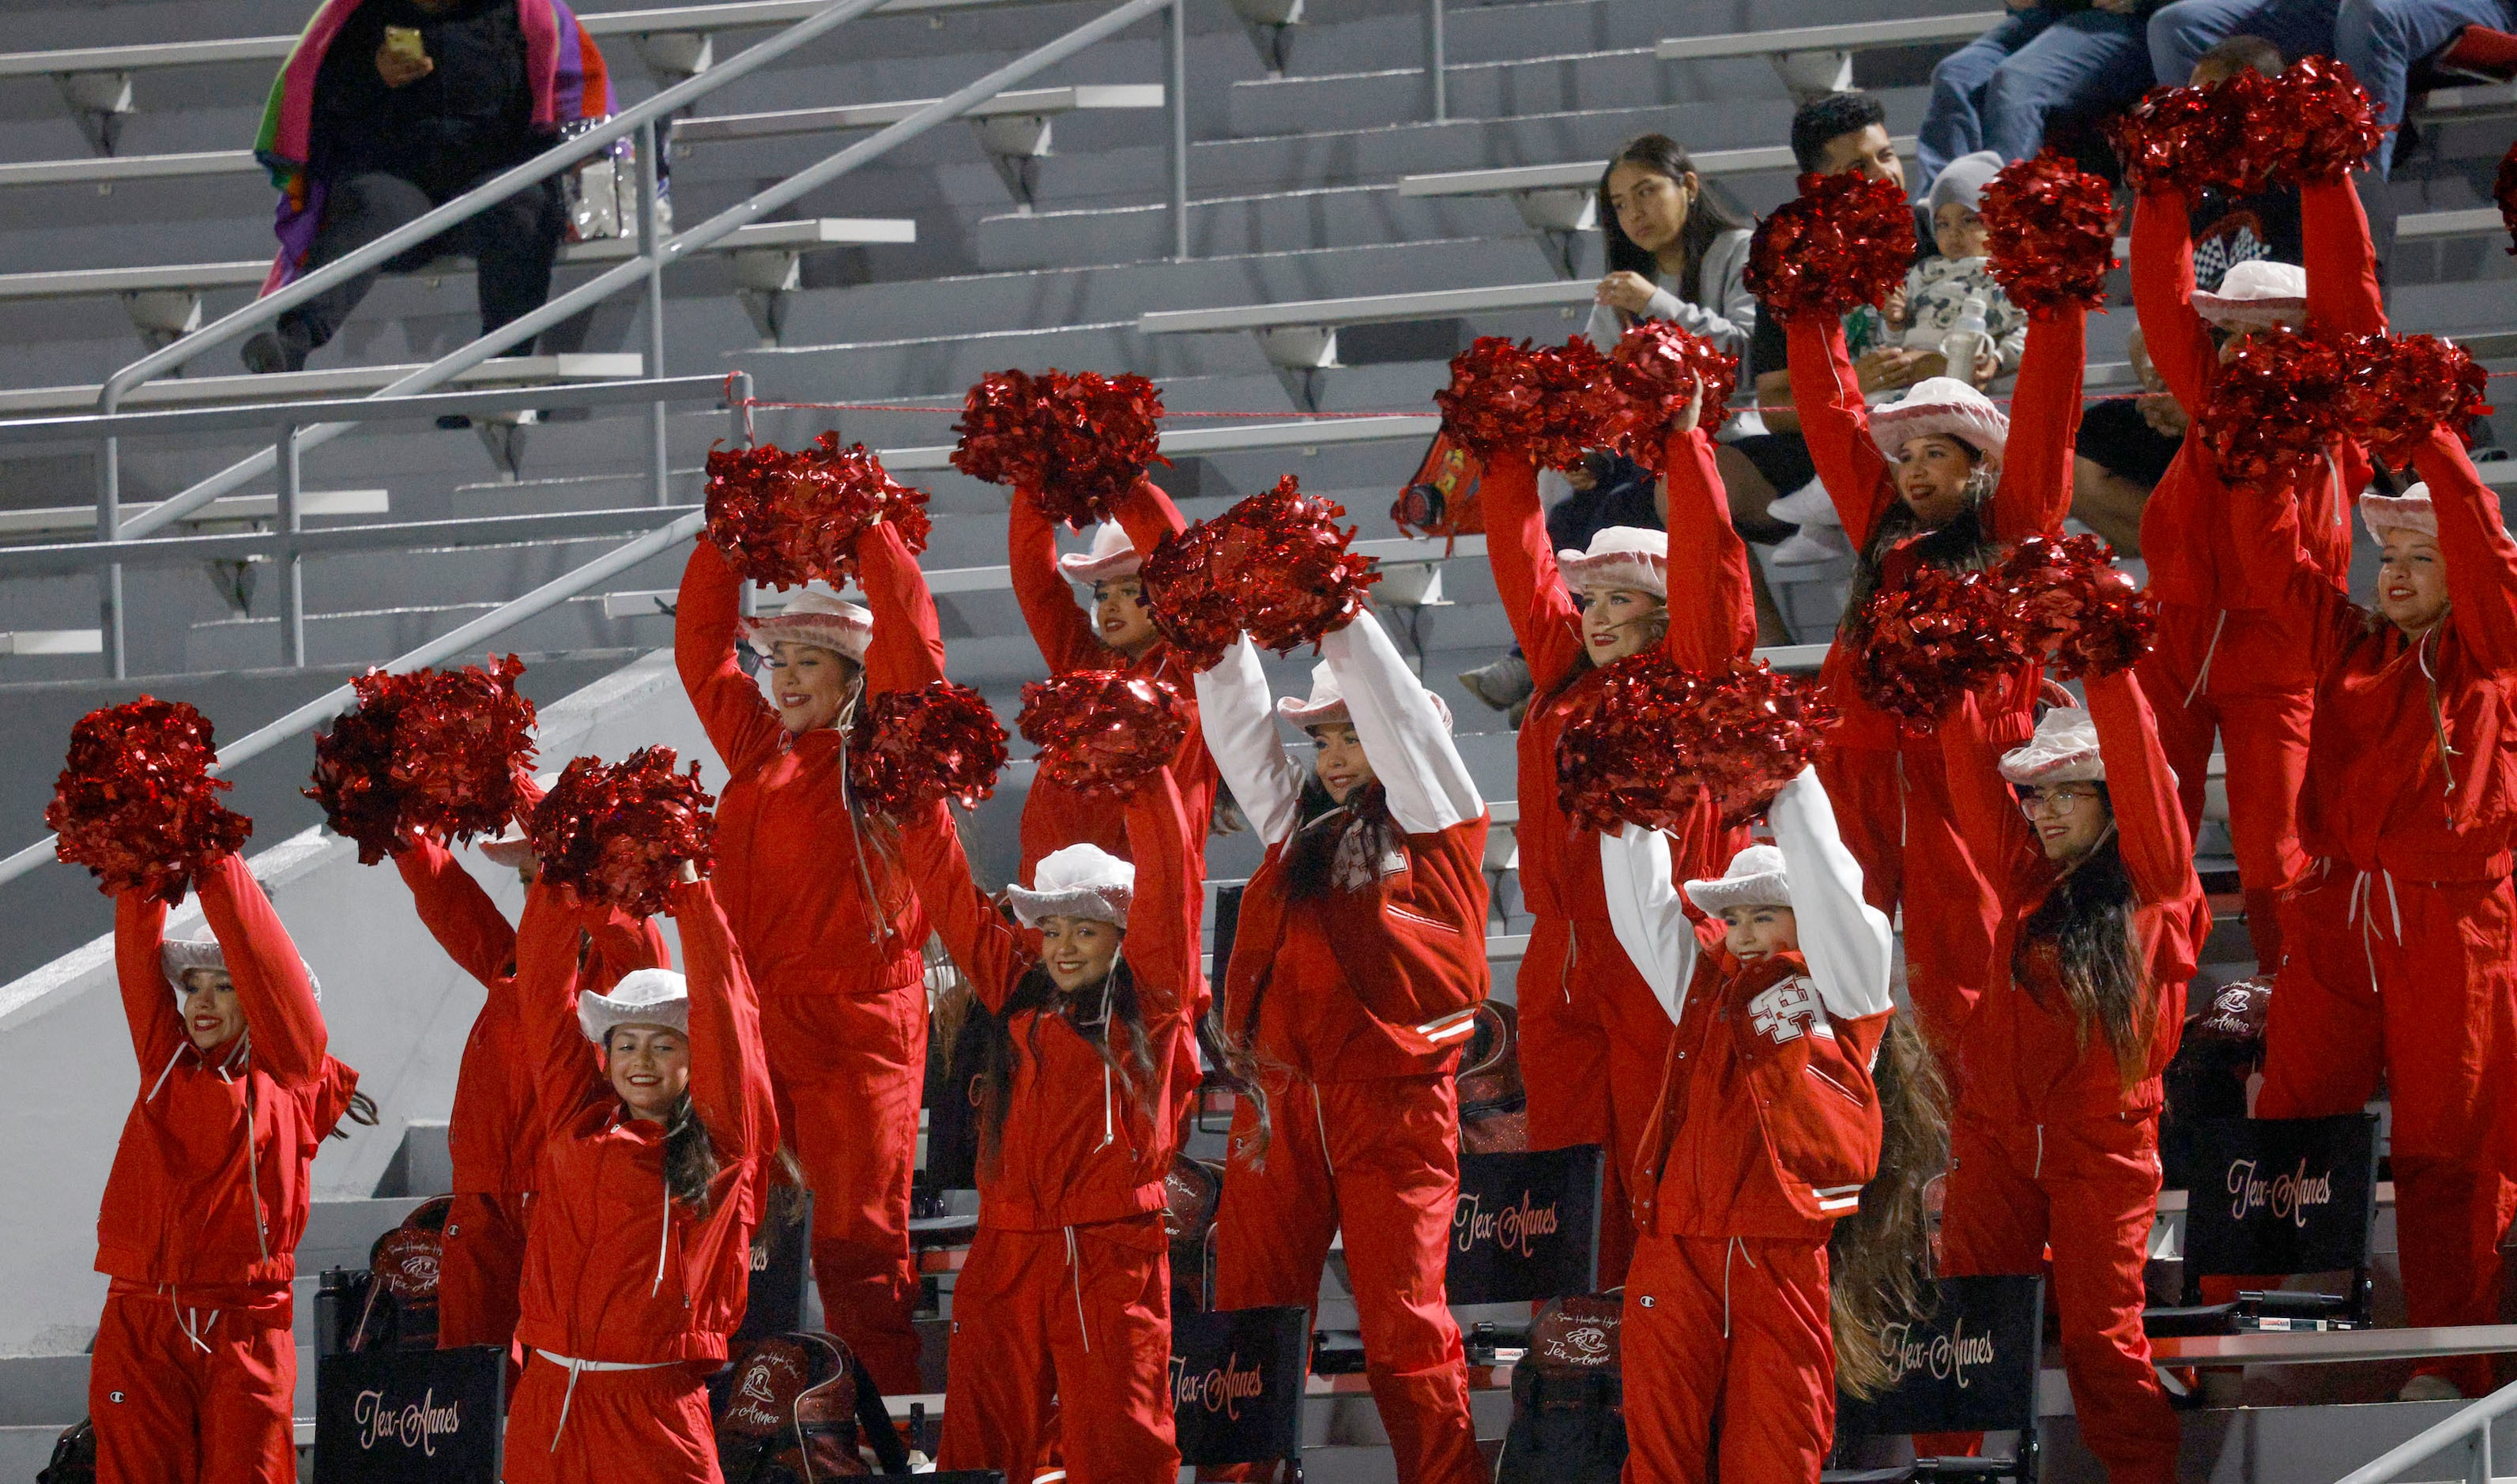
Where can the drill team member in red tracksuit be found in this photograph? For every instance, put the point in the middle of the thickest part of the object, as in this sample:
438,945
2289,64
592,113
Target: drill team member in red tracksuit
1065,1299
492,1133
2230,654
2055,1142
2400,932
195,1373
1942,479
1769,1126
658,1142
829,927
1355,977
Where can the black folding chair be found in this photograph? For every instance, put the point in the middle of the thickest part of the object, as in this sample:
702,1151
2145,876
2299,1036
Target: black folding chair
1526,1226
1237,1380
781,1272
2278,1197
410,1416
1969,1366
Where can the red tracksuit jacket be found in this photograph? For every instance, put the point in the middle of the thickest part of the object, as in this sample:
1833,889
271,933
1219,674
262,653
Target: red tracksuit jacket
1769,1123
1054,816
1078,1145
489,1135
2022,1059
210,1185
789,870
616,1270
2034,493
1379,979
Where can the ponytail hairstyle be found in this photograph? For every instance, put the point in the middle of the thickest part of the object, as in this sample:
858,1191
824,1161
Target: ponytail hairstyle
1879,1259
2086,925
1965,543
1098,1012
362,1112
1708,214
690,1158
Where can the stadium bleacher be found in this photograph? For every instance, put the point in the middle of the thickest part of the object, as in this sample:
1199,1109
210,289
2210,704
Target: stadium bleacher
1342,243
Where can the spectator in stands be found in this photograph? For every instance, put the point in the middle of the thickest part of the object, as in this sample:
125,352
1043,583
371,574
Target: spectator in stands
389,108
2046,57
1676,249
1938,290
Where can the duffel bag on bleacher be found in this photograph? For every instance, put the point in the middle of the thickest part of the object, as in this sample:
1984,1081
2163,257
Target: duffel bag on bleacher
799,1408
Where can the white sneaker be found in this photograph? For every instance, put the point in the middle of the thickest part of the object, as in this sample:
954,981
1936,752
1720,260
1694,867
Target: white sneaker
1810,547
1806,506
2430,1388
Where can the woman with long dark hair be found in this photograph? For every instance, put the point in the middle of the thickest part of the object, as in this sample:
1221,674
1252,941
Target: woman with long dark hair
1676,249
659,1147
1356,973
1063,1308
2055,1144
828,926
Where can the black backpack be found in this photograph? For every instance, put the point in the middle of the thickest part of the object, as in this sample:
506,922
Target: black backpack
1568,1418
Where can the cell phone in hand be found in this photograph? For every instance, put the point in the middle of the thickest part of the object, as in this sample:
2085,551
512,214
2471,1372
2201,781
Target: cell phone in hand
403,41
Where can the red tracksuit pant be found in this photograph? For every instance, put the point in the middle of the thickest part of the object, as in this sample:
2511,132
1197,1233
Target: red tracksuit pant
1074,1322
1380,1159
2413,979
196,1388
2088,1189
479,1271
849,1073
2197,691
1728,1360
612,1427
1593,1041
1894,814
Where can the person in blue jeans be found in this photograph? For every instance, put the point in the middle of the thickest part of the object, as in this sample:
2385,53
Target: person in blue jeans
2380,40
2046,57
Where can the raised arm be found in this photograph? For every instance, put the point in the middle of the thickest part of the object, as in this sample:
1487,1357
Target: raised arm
2341,262
1835,424
740,723
2162,296
1403,733
1162,916
1712,608
456,912
1234,711
1844,939
907,648
2035,488
991,954
1980,803
1542,614
2481,559
1058,624
271,979
729,1070
1148,514
568,1074
2150,824
1647,913
139,968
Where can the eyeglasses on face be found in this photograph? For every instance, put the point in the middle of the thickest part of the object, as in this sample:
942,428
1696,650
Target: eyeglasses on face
2058,800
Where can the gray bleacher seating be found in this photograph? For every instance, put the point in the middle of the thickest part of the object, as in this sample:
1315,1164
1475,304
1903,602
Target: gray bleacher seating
1301,338
1819,58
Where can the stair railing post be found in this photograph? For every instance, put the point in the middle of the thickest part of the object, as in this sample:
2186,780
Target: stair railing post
1437,61
650,244
1176,33
108,528
293,489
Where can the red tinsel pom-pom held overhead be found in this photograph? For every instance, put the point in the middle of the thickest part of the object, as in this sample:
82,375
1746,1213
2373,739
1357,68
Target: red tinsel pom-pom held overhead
2276,409
354,768
1653,743
1844,241
2186,138
2049,228
1003,430
616,834
458,747
2399,387
1100,732
914,748
2064,600
1547,402
1192,590
1075,442
1655,367
783,519
1931,640
2325,125
135,804
1277,564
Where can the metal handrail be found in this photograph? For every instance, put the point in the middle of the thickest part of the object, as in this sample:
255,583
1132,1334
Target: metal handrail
2470,1427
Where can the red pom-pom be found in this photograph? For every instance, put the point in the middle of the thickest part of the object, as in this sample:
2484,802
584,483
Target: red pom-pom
2325,125
785,519
1003,430
2064,600
135,804
1655,368
1191,589
1929,641
1547,402
914,748
616,834
1652,742
2183,140
1078,443
1101,733
1756,729
1276,564
354,768
2050,230
432,751
1844,241
2399,387
2276,409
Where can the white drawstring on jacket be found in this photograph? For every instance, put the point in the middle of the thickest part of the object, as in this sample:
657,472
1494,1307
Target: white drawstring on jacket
1738,1249
252,1163
1075,1267
190,1320
2363,901
2210,652
663,1240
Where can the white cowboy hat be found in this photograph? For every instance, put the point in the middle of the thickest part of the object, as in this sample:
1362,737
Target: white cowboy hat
1078,881
2409,511
1942,405
1327,702
1620,556
2064,750
2257,291
1754,877
178,955
814,616
642,998
509,847
1113,555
